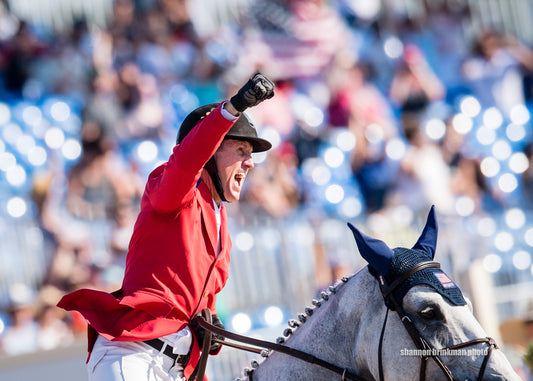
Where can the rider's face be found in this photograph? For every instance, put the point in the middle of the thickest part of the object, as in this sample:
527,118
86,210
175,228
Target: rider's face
234,159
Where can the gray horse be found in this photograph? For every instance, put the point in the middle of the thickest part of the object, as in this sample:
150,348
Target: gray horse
432,333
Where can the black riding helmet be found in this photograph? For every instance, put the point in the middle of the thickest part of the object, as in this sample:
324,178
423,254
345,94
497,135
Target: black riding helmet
243,129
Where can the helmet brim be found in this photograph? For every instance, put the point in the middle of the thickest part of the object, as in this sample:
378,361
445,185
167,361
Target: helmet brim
258,144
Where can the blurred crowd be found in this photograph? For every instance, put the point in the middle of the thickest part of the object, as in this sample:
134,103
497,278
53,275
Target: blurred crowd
419,103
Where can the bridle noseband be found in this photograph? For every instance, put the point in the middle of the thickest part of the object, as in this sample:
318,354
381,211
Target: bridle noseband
346,374
419,341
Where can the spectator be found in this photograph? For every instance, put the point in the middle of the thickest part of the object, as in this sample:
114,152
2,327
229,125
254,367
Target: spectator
448,25
453,145
21,334
53,330
18,58
414,85
75,64
466,176
92,182
493,70
273,187
467,180
108,103
66,246
370,119
96,185
124,32
145,117
424,177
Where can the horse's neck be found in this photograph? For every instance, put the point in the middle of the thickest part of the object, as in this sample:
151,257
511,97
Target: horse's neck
334,333
345,331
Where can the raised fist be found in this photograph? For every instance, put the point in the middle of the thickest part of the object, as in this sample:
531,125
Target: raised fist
257,89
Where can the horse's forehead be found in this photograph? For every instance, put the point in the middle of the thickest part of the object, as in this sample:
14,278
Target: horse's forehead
421,296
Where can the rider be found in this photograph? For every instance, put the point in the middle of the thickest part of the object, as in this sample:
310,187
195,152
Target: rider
178,258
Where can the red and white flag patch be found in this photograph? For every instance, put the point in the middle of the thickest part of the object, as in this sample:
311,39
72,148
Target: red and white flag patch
444,280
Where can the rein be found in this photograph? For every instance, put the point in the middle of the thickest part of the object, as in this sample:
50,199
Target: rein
199,370
346,374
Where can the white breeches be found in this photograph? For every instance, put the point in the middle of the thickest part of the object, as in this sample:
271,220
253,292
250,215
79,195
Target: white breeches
130,361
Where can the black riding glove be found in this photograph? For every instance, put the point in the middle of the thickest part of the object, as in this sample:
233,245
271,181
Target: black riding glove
199,332
256,90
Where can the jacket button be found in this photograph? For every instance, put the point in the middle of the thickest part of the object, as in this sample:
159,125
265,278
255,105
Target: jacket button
206,294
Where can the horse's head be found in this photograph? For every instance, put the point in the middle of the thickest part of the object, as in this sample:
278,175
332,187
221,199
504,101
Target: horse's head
433,317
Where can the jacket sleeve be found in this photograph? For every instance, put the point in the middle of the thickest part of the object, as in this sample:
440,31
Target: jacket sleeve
172,185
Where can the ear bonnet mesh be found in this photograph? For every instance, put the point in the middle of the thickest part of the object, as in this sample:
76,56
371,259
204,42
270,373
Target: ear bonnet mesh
404,259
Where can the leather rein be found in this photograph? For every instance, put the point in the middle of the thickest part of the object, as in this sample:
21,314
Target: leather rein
345,373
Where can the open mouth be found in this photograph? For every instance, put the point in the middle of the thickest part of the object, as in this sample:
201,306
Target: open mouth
239,177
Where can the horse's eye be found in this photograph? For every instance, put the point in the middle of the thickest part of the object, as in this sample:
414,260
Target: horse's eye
428,313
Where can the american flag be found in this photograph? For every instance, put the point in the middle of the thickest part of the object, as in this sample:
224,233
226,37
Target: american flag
444,280
294,38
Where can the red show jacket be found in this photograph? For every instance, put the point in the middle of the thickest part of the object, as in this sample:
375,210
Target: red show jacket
172,271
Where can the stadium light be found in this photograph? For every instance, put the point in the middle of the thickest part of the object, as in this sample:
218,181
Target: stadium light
521,260
16,207
504,241
241,322
273,316
519,114
515,218
492,263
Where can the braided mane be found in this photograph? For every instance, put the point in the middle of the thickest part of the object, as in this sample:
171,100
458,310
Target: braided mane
294,324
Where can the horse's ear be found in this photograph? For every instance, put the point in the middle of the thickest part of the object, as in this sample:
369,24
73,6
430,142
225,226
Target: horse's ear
428,239
376,252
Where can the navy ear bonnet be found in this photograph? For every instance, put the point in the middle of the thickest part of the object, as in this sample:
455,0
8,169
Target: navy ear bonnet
404,259
392,263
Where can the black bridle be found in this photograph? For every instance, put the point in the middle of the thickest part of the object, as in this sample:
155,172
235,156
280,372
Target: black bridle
420,342
346,374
